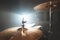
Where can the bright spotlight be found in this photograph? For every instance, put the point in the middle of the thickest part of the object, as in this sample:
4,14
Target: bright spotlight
30,18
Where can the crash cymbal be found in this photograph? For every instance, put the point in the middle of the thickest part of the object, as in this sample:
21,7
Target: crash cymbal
33,33
45,5
41,6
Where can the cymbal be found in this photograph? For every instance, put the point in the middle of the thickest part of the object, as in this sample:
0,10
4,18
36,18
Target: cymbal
33,33
45,5
41,6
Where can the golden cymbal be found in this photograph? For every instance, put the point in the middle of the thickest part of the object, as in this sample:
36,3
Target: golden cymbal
41,6
45,5
33,33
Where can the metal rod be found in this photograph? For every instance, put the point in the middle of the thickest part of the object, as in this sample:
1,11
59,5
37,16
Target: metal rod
49,28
